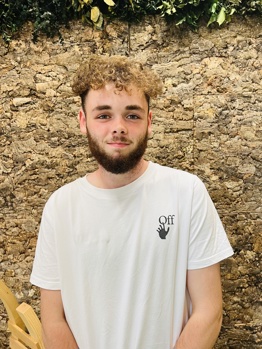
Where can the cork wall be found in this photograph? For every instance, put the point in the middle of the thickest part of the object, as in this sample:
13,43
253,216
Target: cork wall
207,122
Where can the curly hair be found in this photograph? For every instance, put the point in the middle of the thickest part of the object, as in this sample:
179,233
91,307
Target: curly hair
97,71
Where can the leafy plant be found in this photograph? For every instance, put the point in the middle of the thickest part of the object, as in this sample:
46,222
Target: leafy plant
48,16
184,11
220,13
92,11
12,17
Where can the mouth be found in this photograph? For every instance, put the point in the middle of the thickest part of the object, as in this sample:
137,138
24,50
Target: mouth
118,144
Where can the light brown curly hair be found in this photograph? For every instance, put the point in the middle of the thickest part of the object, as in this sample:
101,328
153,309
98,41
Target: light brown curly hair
97,71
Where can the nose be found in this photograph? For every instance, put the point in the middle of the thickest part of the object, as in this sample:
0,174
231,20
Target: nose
119,127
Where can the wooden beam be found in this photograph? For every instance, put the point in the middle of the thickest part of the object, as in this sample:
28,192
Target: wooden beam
15,344
22,337
33,324
10,303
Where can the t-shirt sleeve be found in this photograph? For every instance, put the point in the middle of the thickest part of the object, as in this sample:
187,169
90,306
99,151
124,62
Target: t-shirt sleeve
208,242
45,273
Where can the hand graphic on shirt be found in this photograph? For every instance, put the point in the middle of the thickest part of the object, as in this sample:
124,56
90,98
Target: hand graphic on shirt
162,231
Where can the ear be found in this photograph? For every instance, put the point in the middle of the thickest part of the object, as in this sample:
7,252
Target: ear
149,122
82,121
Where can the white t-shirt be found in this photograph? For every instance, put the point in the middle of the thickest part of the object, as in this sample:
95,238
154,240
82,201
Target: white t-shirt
120,256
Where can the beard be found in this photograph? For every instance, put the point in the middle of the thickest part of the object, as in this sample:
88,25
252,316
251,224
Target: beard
121,164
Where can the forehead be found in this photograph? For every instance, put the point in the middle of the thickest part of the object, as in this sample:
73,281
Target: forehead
111,93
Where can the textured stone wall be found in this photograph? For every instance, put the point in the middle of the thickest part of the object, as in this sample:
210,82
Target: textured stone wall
208,122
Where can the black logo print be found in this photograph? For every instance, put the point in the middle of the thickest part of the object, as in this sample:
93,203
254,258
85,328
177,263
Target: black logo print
162,231
165,221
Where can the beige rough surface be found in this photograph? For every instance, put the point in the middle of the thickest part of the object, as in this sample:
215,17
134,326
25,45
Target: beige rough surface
208,122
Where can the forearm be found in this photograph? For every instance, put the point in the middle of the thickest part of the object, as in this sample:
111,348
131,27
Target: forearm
55,330
200,332
58,336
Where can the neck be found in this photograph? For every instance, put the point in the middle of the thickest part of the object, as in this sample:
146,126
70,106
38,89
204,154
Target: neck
107,180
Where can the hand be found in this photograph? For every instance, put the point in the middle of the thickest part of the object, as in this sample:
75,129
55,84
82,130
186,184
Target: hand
162,231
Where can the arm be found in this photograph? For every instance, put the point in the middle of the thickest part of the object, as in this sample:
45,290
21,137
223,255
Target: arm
202,329
55,330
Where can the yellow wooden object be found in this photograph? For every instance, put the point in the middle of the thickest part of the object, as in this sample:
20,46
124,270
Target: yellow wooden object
24,325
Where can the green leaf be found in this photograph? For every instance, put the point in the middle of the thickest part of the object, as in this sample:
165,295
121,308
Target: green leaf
132,5
212,19
182,20
109,2
95,13
221,16
99,23
214,6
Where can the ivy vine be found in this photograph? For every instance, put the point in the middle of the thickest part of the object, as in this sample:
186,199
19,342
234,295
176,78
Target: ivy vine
48,16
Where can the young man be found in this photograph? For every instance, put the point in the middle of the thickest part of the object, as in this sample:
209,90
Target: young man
128,256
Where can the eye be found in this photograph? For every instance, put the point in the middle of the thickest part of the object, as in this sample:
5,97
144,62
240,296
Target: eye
103,116
133,117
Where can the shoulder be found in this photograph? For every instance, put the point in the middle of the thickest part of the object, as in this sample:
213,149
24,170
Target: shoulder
69,191
174,174
183,183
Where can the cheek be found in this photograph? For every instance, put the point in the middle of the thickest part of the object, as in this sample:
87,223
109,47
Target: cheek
97,131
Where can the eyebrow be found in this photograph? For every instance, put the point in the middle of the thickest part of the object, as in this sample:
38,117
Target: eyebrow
128,107
134,107
102,107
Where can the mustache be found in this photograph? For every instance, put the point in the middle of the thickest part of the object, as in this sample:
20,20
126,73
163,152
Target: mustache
115,138
121,139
